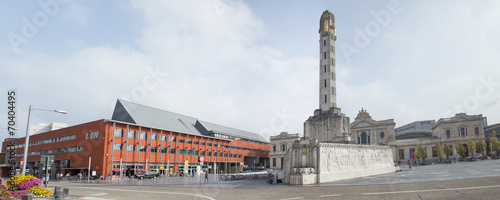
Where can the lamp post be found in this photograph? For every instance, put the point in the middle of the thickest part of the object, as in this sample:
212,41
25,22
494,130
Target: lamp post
27,139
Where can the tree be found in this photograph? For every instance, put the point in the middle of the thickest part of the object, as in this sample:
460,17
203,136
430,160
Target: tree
481,145
471,145
459,148
494,143
446,149
438,150
420,151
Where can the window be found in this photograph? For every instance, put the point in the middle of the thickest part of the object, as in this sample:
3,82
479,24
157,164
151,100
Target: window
209,144
130,147
401,154
324,42
382,134
215,145
203,153
163,150
183,152
209,153
324,55
448,134
325,68
325,98
131,134
153,149
230,155
154,137
220,154
172,151
225,155
142,136
359,142
235,155
282,163
117,147
283,147
325,82
239,155
142,148
476,131
181,141
196,142
189,142
118,133
172,139
163,138
274,162
274,148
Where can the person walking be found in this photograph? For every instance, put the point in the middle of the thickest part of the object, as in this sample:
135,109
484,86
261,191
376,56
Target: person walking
206,177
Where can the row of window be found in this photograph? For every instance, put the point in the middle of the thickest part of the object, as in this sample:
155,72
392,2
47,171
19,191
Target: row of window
236,138
53,151
49,141
172,151
463,132
142,136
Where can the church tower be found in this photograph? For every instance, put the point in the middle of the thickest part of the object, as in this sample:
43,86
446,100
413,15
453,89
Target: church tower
327,84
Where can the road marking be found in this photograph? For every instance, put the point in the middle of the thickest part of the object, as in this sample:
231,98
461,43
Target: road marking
98,194
178,193
436,190
331,195
293,198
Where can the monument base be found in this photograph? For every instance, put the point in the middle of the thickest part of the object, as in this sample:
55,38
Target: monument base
309,161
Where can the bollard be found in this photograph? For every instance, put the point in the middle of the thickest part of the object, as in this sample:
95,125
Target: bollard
27,197
65,193
58,193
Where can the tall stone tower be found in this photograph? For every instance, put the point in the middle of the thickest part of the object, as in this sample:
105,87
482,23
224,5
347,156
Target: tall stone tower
327,85
328,123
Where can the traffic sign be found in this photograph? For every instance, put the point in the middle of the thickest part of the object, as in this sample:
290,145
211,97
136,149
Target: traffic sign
201,159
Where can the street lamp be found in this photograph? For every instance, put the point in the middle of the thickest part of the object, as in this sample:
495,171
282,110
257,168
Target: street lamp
27,139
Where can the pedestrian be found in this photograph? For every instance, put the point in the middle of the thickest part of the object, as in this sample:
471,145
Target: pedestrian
57,176
80,176
206,177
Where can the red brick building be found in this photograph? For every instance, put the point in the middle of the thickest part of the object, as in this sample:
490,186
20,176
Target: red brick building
139,137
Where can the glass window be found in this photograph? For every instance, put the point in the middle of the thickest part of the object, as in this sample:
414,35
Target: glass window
153,149
239,155
448,134
401,154
117,147
203,143
189,142
181,141
131,134
142,148
172,151
154,136
172,139
209,153
163,150
142,136
209,144
163,138
130,147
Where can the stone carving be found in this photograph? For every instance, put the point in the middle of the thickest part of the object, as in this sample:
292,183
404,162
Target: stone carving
303,171
345,125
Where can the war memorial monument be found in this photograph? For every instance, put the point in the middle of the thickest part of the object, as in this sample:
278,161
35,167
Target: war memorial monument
327,152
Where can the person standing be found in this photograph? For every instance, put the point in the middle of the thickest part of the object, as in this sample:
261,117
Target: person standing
206,177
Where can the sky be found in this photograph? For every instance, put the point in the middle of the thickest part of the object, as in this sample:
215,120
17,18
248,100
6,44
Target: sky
251,65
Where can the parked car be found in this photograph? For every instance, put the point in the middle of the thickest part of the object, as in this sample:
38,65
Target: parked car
143,175
479,157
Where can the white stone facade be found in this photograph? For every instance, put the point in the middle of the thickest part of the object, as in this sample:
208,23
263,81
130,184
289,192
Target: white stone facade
309,162
279,146
368,131
461,126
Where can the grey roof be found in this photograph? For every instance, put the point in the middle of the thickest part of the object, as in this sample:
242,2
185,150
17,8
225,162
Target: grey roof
153,117
232,131
129,112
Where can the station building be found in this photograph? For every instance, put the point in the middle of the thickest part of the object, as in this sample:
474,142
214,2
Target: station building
139,138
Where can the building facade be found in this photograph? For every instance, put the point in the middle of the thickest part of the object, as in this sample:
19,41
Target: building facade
449,130
371,132
138,138
279,146
416,126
